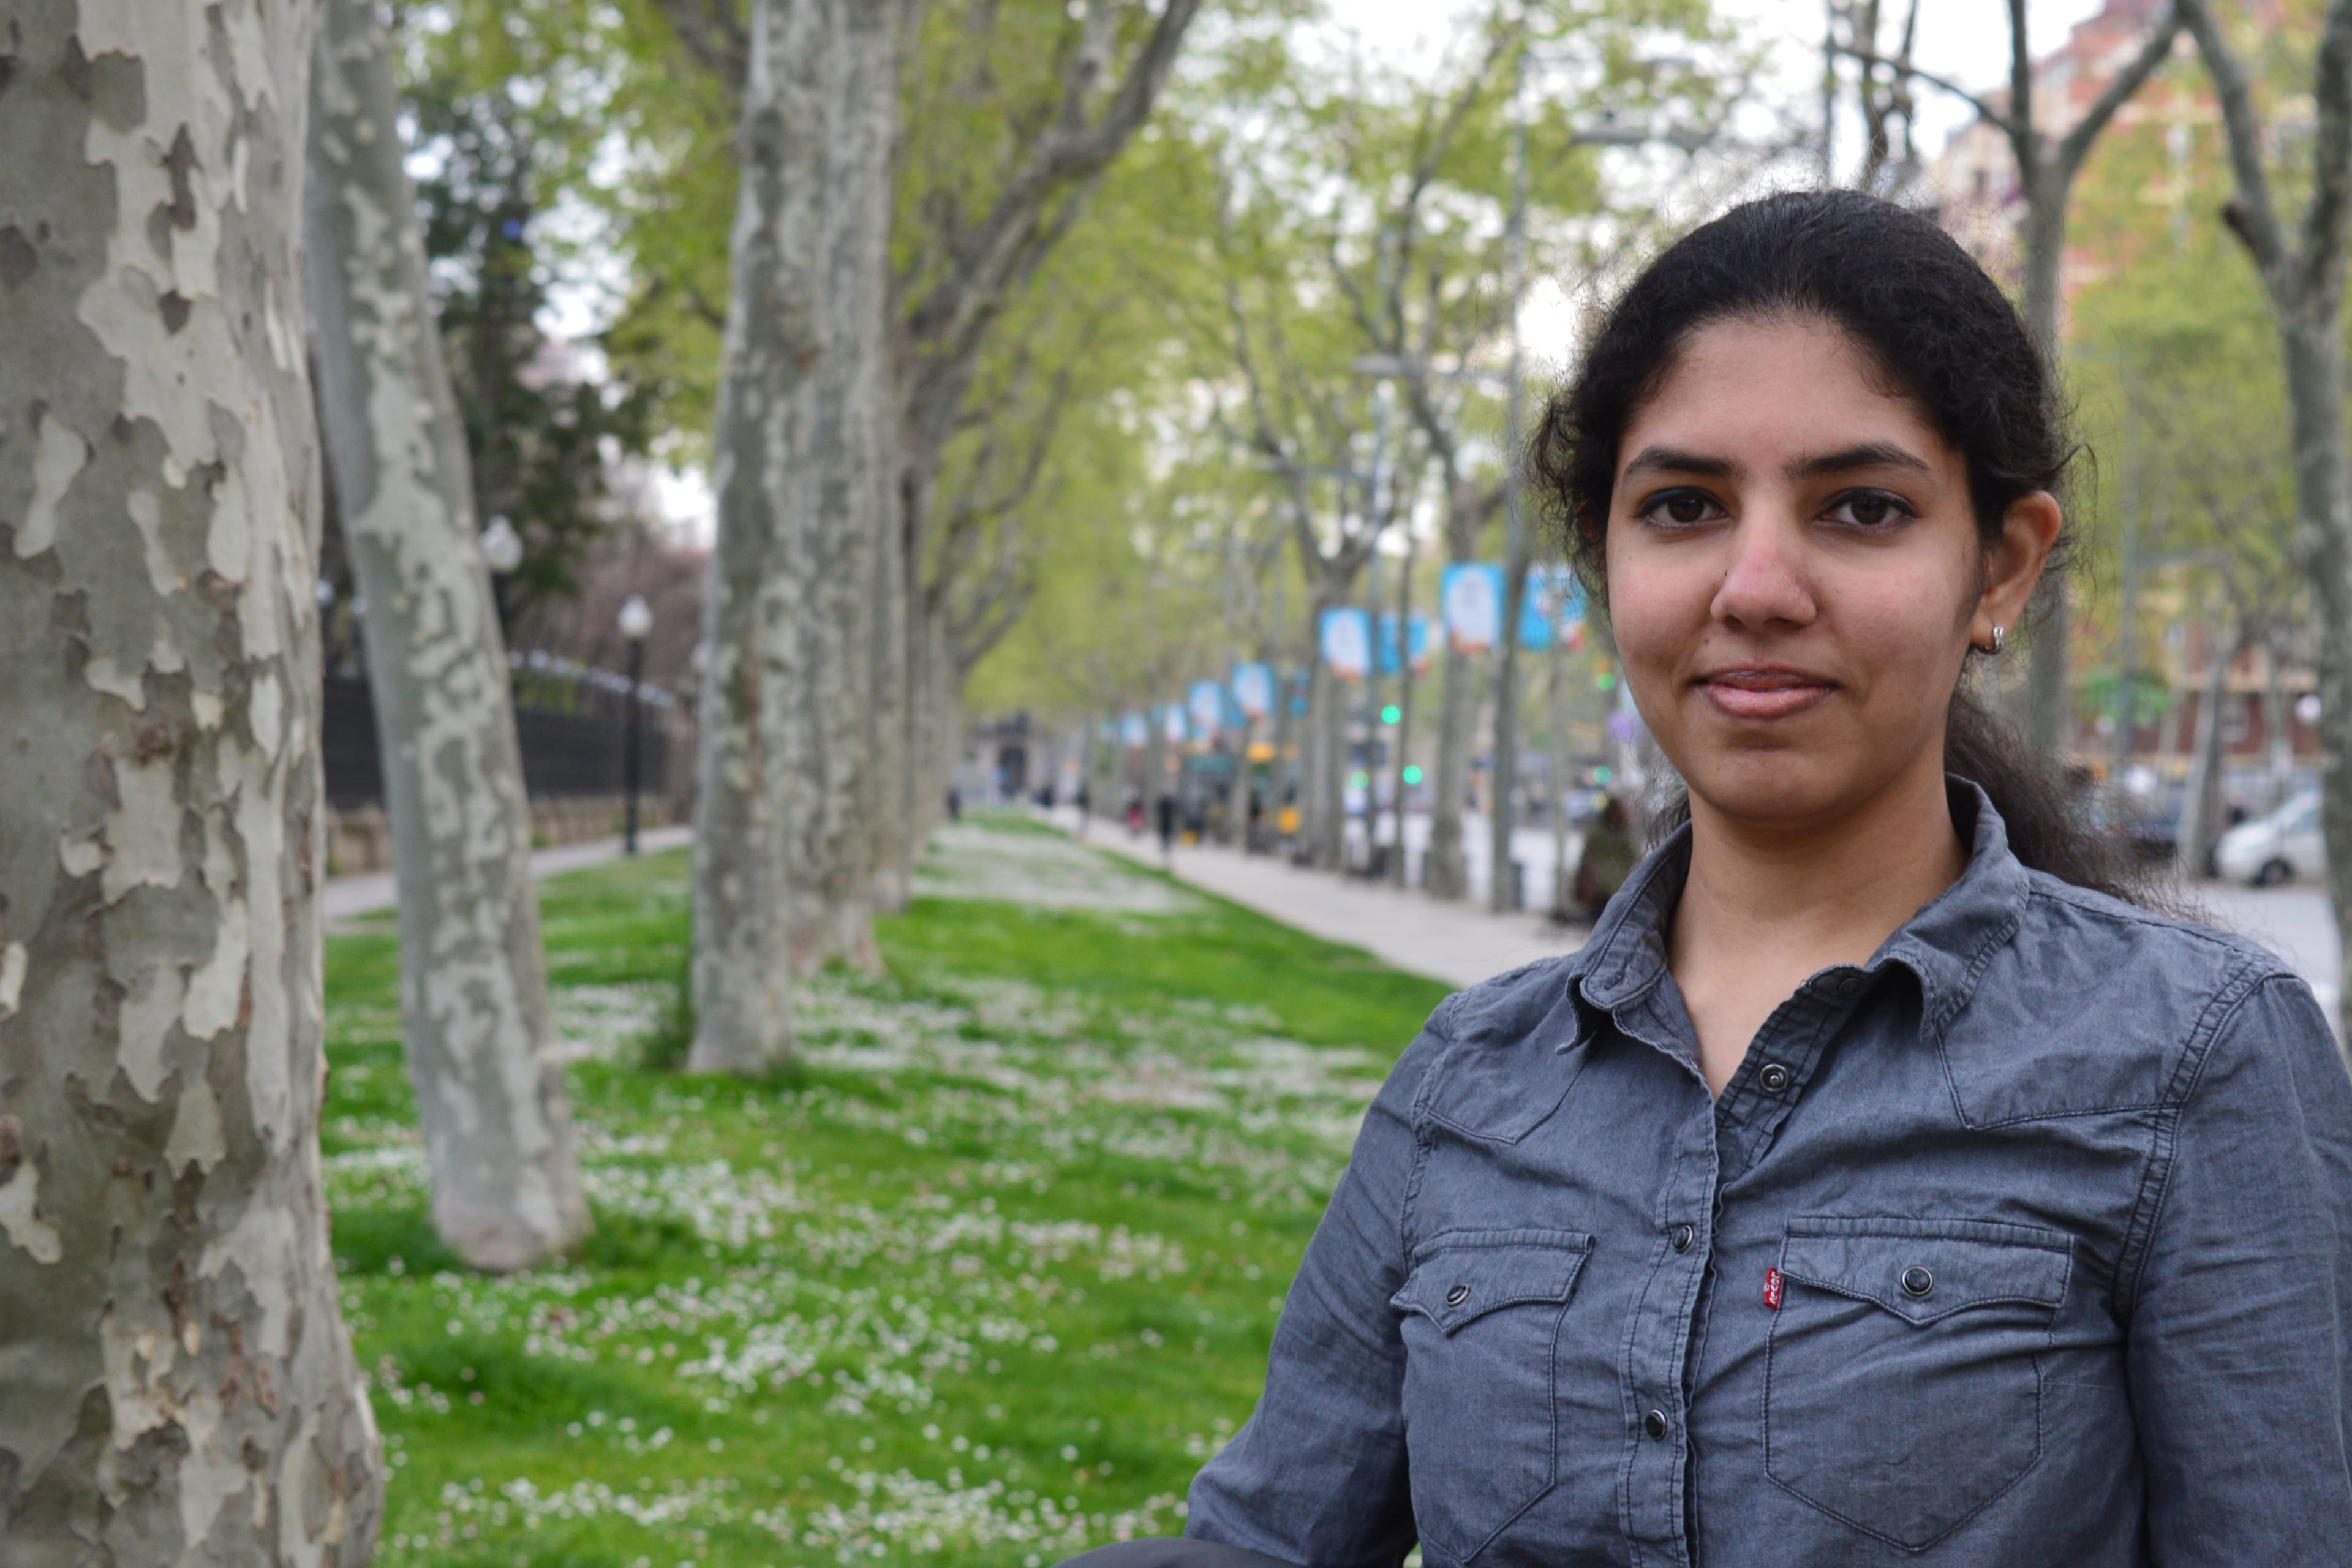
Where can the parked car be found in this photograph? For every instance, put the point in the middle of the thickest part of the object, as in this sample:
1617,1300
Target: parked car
2274,848
2139,827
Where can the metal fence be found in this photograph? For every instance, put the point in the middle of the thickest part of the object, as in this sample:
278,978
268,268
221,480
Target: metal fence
571,721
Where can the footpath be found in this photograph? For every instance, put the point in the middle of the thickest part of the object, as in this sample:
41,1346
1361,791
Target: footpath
347,897
1460,944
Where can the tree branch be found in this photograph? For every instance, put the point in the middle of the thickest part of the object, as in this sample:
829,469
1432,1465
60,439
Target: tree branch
2153,52
1868,59
2253,216
992,254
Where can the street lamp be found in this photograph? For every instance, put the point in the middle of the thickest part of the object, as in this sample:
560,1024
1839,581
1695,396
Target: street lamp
501,549
636,623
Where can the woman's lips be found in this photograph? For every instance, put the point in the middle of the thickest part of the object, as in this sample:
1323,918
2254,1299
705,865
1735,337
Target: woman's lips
1764,694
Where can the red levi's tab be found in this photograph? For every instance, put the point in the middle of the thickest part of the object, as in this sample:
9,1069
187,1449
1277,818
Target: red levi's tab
1772,1288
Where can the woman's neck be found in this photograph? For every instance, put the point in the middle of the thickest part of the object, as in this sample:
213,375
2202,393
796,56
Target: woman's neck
1765,905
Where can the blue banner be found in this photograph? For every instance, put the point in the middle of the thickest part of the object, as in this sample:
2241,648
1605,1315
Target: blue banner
1347,639
1253,691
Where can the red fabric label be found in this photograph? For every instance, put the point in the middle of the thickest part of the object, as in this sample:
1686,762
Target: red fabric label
1772,1288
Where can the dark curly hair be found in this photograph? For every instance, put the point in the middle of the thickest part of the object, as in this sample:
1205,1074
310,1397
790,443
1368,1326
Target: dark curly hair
1938,331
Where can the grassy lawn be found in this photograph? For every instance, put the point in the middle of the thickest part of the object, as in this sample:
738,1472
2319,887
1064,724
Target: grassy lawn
982,1283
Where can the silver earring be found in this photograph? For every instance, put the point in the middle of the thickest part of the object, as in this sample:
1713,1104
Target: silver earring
2000,637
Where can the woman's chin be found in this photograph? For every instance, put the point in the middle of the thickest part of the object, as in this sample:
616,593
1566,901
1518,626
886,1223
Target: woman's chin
1775,789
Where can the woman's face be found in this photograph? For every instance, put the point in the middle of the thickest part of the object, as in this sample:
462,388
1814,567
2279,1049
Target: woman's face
1795,573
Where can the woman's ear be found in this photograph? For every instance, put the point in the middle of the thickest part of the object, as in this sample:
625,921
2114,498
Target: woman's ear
2013,563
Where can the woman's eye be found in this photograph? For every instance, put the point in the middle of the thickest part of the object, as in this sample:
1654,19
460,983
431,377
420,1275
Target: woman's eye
1680,509
1868,509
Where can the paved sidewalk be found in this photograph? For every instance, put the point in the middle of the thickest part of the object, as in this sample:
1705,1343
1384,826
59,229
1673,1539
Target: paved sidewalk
350,896
1458,944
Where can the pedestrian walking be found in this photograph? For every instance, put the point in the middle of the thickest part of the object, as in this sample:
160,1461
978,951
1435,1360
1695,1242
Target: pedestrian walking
1168,829
1889,1179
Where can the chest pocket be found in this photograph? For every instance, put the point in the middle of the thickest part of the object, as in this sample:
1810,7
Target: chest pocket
1902,1384
1482,1312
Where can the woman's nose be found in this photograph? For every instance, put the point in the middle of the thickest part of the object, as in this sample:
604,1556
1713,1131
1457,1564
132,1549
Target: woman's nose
1764,580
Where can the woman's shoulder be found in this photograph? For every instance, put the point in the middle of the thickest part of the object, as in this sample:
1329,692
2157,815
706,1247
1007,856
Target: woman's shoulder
2097,1006
1488,1051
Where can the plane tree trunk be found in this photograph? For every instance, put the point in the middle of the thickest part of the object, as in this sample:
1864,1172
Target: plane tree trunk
489,1089
176,1385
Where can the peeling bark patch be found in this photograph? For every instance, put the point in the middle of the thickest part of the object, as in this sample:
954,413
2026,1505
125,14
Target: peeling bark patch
178,163
173,305
17,257
12,978
19,1189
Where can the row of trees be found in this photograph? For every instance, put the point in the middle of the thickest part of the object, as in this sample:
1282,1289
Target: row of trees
962,328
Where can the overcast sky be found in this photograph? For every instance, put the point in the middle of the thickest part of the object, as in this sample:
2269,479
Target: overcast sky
1965,40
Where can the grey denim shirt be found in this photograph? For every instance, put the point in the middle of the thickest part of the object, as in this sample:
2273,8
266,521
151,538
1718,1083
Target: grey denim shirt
2027,1243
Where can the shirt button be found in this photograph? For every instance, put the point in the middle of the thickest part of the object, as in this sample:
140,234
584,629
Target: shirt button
1774,1077
1683,1236
1917,1281
1654,1423
1459,1294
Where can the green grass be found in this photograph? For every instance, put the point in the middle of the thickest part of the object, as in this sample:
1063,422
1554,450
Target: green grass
982,1283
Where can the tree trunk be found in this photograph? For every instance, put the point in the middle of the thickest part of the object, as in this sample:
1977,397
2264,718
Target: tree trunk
1447,873
1279,781
756,664
175,1382
2046,704
1405,683
489,1090
1502,809
1155,761
2314,348
1237,791
831,876
2200,800
892,793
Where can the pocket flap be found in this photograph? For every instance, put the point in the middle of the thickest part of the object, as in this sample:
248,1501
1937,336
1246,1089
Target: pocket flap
1924,1269
1464,1274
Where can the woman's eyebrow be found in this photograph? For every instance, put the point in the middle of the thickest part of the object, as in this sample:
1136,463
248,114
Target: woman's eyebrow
1672,459
1867,455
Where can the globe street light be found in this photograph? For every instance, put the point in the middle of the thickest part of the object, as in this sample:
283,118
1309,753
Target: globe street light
636,623
501,549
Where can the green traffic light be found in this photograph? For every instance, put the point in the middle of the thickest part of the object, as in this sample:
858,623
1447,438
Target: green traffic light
1391,715
1412,775
1603,774
1359,778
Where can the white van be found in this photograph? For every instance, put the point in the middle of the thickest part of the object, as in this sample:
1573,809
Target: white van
2279,848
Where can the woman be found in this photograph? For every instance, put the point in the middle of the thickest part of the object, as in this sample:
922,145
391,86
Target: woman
1877,1185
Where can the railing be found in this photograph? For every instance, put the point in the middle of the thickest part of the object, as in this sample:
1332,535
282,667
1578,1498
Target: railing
571,721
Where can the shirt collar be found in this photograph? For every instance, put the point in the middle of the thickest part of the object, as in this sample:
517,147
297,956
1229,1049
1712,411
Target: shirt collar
1945,944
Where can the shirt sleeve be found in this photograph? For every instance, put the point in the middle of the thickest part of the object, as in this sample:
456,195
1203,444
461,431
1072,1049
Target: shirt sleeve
1318,1476
2241,1333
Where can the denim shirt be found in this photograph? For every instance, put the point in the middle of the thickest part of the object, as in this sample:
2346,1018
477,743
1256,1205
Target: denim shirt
2027,1243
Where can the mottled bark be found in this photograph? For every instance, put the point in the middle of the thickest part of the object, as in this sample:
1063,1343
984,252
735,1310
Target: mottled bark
175,1383
489,1089
832,872
754,665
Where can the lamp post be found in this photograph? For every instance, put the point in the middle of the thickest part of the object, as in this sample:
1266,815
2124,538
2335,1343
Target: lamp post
501,549
636,620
